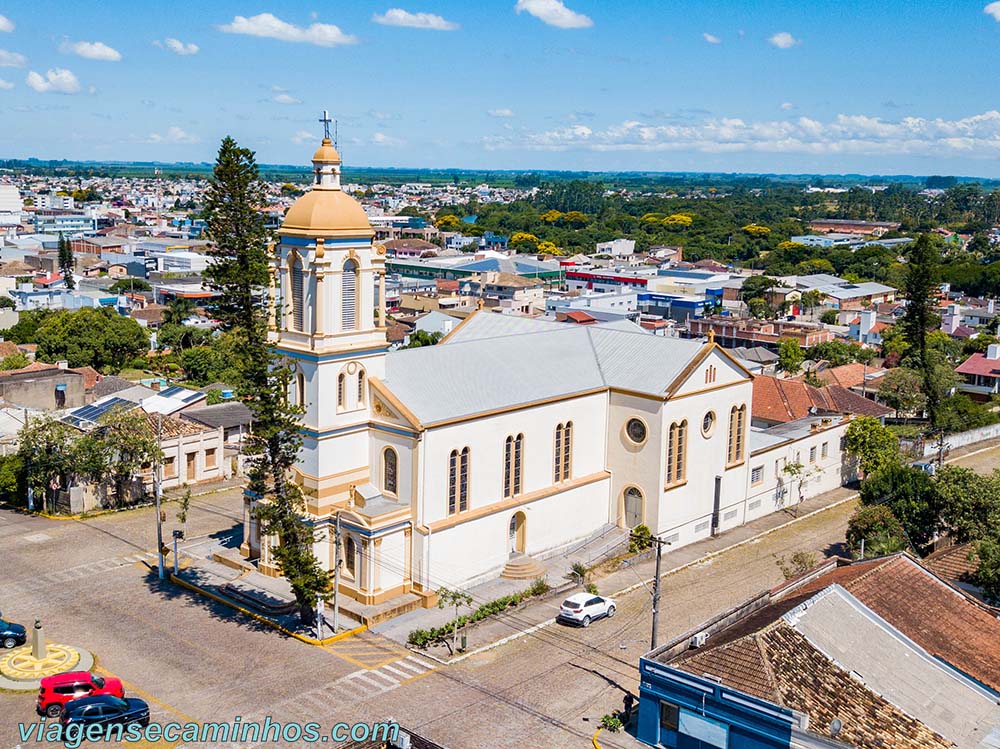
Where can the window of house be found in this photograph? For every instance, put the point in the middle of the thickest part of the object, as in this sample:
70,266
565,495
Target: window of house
825,451
210,458
350,555
169,467
812,454
390,461
756,474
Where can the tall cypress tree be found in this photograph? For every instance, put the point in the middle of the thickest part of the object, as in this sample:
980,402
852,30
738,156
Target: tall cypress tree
920,289
239,271
66,261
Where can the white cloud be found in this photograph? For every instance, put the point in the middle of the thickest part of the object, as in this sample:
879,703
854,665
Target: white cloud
91,50
12,59
173,136
711,38
786,105
784,40
303,136
5,85
993,9
554,13
6,25
55,81
381,139
285,99
400,17
178,47
975,137
272,27
500,112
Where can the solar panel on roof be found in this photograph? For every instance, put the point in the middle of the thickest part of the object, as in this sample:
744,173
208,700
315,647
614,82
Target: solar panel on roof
171,391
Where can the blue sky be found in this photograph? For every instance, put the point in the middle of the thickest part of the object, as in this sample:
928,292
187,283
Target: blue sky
775,86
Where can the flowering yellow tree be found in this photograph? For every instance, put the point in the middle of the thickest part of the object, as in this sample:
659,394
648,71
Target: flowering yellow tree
552,216
548,248
756,230
522,241
678,221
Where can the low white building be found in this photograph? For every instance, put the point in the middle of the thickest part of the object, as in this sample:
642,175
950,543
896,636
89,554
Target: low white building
616,247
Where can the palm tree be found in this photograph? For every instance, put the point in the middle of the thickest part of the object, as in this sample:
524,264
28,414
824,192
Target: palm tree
179,310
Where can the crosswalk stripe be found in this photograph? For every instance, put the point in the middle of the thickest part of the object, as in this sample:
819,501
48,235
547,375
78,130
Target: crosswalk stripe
361,676
396,671
416,662
381,675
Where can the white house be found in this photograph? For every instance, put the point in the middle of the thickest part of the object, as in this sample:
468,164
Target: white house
616,247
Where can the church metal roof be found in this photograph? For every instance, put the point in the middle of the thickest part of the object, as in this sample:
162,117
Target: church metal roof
493,362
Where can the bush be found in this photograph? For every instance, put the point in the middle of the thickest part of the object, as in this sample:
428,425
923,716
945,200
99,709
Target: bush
878,527
538,587
640,539
592,589
611,723
829,317
801,561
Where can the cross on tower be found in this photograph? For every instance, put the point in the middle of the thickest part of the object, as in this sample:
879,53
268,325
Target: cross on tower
325,119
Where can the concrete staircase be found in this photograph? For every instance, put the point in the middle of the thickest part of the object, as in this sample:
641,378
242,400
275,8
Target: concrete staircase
522,567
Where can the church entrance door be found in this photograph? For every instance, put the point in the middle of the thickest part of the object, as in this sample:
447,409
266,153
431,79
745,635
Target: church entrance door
633,507
515,533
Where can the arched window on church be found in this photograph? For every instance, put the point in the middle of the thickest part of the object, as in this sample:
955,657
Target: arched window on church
350,555
512,465
341,384
737,433
300,389
298,295
361,387
390,464
349,296
677,453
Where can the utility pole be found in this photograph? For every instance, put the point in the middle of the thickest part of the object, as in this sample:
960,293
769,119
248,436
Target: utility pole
158,490
336,573
660,543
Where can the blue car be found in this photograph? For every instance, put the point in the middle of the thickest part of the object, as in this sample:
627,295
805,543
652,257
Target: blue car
104,710
12,635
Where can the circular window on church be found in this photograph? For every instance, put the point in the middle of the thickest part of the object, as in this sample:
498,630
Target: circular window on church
708,424
635,430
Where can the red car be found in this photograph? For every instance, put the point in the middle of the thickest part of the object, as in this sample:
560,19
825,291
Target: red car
56,691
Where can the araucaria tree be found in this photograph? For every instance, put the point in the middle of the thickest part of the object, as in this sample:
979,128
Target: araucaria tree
920,289
239,272
66,262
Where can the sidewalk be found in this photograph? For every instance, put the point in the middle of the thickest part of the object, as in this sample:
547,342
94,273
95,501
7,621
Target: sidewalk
625,577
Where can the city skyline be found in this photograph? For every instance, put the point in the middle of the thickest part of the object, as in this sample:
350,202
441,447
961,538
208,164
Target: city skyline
531,84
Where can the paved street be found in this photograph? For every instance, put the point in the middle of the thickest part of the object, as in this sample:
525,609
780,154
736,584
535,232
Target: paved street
194,660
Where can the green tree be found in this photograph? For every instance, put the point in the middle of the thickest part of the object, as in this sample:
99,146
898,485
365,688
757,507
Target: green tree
66,262
872,443
178,310
456,598
790,355
14,361
970,503
129,285
920,289
26,327
95,337
420,338
900,390
958,413
911,495
829,317
878,528
122,443
239,272
47,449
988,573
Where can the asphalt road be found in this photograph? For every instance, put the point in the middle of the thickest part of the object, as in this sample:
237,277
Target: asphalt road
193,660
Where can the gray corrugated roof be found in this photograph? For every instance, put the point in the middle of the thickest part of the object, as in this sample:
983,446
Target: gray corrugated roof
227,415
497,361
890,664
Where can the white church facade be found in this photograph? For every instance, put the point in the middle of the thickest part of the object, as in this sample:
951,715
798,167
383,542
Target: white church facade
511,437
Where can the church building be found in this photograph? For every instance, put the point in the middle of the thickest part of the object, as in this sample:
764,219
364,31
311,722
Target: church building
511,439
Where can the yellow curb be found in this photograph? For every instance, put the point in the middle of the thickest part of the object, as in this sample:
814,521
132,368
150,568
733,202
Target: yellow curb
263,619
594,739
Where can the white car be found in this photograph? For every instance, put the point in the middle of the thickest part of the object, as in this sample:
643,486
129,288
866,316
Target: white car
583,608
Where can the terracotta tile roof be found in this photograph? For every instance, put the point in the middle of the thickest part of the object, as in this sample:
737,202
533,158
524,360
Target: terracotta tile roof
978,364
172,427
782,401
579,317
35,366
846,375
740,664
90,376
8,348
946,623
395,332
809,682
954,563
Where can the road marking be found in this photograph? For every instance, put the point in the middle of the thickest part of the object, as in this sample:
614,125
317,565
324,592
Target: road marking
417,662
396,671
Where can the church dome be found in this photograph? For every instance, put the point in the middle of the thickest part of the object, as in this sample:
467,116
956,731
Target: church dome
324,213
326,210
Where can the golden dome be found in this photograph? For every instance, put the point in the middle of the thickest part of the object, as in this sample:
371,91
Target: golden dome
326,213
326,153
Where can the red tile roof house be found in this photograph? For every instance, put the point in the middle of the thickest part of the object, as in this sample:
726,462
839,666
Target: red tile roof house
981,374
781,401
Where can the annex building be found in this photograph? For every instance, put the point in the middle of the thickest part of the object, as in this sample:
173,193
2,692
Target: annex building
512,438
